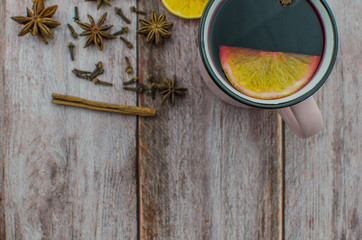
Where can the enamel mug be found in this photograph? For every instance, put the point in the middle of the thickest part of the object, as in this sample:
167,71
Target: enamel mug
299,110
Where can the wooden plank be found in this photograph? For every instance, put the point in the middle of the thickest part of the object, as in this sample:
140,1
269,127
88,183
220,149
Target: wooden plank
323,174
2,119
69,173
207,170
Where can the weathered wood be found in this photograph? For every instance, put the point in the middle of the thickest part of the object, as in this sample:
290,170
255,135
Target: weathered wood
207,170
2,119
323,174
69,173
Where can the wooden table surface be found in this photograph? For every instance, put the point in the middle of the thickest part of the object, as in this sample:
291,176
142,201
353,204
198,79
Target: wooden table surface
201,170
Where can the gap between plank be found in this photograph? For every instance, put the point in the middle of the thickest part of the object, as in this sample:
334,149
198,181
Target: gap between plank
281,165
138,159
281,176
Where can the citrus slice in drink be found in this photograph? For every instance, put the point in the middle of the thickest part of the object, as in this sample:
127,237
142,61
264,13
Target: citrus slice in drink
267,75
190,9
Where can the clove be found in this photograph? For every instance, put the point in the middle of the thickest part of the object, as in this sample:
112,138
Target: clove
135,10
146,89
98,71
71,50
96,81
122,31
72,31
76,14
133,80
81,71
129,45
134,89
92,76
153,89
120,13
129,68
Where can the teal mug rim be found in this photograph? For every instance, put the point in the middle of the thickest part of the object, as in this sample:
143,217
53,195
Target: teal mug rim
240,99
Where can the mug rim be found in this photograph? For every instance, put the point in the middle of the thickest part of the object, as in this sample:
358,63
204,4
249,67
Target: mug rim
203,48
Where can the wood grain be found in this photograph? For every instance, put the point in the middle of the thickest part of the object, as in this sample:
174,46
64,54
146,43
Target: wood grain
323,174
207,170
2,119
69,173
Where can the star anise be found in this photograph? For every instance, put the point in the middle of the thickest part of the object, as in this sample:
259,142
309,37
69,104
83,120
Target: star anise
40,2
155,29
170,90
96,32
100,3
38,22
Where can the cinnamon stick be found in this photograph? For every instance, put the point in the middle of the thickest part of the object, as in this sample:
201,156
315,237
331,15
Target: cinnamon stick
101,106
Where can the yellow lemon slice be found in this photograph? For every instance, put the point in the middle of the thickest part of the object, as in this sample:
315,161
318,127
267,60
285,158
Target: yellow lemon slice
190,9
267,75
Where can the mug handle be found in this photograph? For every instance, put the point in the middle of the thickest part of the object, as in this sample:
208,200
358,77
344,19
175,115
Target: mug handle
304,118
